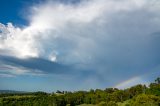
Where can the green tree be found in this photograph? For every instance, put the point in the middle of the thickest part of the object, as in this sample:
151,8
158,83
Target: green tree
157,80
145,100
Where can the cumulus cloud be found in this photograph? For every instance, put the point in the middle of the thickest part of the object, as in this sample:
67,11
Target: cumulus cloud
6,75
15,42
107,37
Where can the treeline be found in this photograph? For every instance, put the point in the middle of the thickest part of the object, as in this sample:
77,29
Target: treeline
139,95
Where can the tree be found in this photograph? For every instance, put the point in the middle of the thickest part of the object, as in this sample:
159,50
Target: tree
157,80
154,89
136,90
145,100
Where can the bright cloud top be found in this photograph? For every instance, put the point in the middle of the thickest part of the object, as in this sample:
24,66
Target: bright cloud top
49,20
105,36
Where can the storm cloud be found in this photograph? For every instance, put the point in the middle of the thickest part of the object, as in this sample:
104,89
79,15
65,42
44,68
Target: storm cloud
104,39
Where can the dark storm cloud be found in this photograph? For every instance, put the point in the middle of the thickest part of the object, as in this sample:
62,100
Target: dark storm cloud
35,64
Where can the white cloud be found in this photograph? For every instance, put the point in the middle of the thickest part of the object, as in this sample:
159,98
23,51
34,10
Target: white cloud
48,21
6,75
14,71
9,70
16,42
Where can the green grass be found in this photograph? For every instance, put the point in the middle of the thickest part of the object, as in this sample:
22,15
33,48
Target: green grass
0,101
17,97
124,103
87,105
119,104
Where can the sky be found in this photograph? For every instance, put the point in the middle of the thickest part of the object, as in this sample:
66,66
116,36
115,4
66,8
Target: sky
69,45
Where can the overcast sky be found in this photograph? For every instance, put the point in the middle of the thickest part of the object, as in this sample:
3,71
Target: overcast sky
78,44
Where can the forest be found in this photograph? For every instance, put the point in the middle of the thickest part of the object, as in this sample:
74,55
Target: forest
138,95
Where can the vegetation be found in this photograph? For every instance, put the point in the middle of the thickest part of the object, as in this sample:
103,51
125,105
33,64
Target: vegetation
139,95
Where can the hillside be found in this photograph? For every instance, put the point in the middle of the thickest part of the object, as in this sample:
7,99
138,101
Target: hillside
10,91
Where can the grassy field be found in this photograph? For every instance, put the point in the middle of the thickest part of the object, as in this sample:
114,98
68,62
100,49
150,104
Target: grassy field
17,96
0,102
87,105
119,104
124,103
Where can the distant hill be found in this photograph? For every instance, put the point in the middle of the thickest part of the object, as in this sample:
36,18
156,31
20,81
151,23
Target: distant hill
10,91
